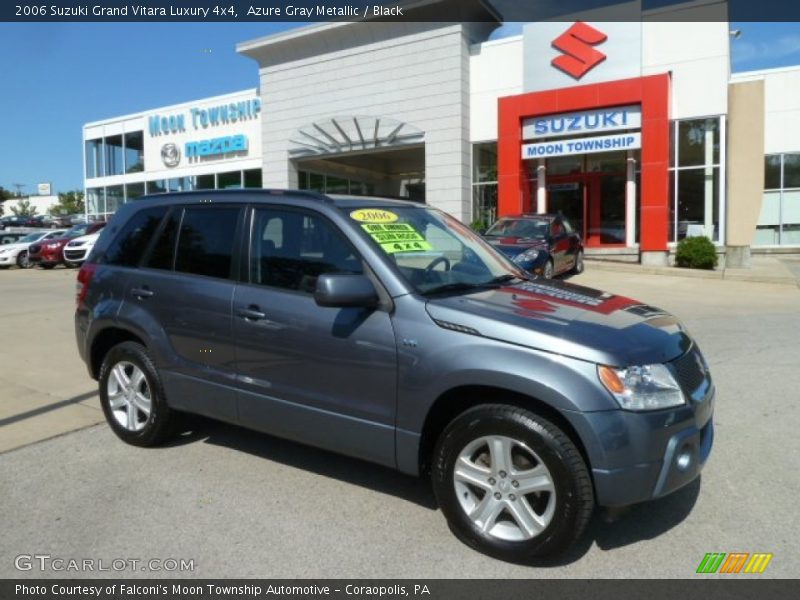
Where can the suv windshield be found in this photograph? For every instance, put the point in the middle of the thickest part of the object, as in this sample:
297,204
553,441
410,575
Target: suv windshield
520,228
433,251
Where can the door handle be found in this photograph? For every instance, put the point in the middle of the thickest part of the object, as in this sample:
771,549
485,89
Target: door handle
141,293
251,313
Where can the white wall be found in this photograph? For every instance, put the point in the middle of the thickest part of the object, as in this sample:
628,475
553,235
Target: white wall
698,56
416,73
495,71
40,203
781,107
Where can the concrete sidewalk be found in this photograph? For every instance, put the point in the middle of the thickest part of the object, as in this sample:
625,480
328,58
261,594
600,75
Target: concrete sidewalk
764,269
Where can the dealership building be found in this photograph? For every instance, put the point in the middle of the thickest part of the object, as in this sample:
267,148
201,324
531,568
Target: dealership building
636,131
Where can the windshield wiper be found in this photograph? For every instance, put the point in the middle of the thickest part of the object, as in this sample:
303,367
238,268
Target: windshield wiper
465,286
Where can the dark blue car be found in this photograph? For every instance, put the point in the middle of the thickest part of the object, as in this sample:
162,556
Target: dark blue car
543,244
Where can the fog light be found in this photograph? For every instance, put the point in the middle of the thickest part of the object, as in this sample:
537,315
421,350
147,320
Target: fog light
684,460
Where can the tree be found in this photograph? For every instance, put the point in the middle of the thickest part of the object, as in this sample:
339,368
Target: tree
24,208
69,203
5,194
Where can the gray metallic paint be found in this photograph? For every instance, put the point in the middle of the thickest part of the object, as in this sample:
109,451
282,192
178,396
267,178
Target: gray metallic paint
362,383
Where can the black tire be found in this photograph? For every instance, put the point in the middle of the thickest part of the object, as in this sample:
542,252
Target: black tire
579,266
548,272
574,497
22,260
159,424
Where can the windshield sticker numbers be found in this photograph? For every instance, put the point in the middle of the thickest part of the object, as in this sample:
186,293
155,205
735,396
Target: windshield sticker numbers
373,215
396,237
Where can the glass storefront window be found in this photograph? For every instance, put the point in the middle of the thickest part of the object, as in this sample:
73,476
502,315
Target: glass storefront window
230,180
134,152
252,178
772,172
336,185
94,158
698,190
95,201
484,205
114,156
698,142
564,165
134,190
316,182
779,221
115,197
156,187
484,162
608,162
791,170
180,184
204,182
695,178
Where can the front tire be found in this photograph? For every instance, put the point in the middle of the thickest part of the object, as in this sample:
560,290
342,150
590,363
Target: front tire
132,396
511,484
22,260
578,268
549,270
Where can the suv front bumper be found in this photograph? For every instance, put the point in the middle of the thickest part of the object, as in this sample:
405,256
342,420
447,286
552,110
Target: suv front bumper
647,455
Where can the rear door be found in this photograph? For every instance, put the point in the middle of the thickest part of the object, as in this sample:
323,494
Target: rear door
183,292
324,376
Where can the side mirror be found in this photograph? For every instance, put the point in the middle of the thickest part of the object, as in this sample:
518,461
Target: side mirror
343,290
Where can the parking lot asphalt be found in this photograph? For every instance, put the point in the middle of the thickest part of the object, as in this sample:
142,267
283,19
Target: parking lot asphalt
241,504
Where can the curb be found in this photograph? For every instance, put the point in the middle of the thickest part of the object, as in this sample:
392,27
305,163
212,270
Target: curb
721,274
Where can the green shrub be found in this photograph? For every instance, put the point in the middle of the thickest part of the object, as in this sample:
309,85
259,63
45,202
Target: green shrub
696,253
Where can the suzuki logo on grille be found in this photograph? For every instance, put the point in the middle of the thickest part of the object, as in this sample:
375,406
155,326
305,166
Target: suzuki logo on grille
579,57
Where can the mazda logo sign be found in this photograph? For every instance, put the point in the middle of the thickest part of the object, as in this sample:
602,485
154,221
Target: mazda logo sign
170,155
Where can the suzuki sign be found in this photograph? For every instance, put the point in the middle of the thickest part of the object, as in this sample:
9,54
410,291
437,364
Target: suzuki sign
586,121
558,54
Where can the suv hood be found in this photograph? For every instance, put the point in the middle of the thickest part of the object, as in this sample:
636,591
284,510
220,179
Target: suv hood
568,319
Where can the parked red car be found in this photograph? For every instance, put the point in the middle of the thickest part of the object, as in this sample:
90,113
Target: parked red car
50,253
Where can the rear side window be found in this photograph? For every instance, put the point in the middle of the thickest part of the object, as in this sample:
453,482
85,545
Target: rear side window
205,243
131,241
164,248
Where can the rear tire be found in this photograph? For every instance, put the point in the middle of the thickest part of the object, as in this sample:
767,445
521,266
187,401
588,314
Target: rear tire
511,484
132,396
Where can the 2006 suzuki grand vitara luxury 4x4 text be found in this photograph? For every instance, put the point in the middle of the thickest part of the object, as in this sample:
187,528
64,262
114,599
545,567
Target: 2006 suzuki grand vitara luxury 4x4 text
389,331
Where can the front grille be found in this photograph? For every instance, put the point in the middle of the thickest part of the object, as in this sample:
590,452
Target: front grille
73,254
690,370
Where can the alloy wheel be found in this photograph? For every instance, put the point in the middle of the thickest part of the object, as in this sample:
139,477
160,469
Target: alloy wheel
129,396
504,488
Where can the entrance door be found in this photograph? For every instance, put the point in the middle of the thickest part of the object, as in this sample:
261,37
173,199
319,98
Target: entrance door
593,203
568,198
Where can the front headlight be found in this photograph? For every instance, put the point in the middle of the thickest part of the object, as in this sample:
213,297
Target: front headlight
527,256
644,387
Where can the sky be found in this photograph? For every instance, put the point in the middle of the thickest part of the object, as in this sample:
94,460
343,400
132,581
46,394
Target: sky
54,77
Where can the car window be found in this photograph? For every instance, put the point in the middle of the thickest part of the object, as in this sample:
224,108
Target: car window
130,242
205,241
291,248
557,228
522,228
567,226
163,253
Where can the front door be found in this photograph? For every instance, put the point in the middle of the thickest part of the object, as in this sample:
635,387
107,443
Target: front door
568,198
324,376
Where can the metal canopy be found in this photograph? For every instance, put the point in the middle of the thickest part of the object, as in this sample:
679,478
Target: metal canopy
340,135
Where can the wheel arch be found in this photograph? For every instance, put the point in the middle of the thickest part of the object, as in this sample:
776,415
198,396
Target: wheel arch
457,400
106,339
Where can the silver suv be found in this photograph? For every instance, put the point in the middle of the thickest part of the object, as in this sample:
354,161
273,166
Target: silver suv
389,331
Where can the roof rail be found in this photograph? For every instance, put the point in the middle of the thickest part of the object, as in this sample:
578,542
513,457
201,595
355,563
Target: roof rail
308,194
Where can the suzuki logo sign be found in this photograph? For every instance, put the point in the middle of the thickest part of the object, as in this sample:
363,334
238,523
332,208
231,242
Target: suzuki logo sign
560,55
579,55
